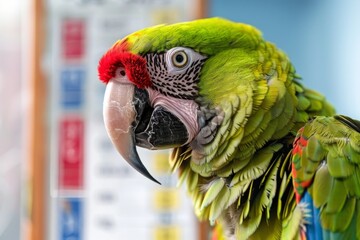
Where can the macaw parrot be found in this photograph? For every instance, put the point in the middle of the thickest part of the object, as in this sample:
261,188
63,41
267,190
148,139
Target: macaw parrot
261,154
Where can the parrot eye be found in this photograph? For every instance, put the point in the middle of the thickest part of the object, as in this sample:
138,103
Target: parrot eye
179,59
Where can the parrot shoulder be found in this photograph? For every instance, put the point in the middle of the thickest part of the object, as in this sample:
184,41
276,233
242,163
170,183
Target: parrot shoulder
326,175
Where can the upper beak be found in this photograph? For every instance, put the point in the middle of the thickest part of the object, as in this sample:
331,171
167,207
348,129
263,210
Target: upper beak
130,121
119,116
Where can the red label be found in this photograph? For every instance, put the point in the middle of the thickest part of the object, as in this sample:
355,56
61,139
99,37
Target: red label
71,153
73,38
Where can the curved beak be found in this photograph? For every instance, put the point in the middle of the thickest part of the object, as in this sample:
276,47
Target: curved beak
120,120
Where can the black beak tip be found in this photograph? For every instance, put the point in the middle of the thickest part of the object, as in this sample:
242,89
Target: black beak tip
145,173
153,179
136,163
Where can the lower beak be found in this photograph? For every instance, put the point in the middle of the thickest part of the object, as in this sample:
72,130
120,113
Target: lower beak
119,116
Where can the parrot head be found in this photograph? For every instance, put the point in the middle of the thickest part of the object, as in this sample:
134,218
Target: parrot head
168,86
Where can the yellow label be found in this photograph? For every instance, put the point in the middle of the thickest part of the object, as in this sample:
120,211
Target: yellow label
161,163
167,233
166,199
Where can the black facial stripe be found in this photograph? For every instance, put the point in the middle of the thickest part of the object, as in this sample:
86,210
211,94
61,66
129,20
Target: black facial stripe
182,85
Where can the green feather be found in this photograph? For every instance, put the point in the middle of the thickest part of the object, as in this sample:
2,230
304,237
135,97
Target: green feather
314,150
304,103
352,184
257,166
322,181
337,198
291,224
249,225
212,192
234,194
269,189
339,168
283,185
219,204
339,221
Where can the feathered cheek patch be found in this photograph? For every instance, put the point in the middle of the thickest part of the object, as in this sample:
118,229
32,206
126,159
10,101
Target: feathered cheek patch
135,67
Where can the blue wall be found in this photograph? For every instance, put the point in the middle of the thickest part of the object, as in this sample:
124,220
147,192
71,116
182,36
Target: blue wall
322,38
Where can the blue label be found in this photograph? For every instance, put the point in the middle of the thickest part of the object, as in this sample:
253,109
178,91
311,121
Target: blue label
71,210
72,88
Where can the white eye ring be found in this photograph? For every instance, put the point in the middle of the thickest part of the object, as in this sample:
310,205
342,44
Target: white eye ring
179,59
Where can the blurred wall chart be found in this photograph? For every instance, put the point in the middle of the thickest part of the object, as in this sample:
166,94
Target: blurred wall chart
12,115
93,193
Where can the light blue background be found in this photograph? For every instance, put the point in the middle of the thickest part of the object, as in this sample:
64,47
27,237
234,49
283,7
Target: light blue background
321,37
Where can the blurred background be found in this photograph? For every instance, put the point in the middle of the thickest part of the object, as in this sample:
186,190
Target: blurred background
60,176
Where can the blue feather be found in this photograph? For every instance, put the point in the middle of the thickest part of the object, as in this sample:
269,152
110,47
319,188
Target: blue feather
314,230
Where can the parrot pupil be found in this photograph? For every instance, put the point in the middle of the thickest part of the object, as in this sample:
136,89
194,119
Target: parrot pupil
122,73
179,58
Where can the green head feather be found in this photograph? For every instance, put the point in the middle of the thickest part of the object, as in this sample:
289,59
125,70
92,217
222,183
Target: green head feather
207,36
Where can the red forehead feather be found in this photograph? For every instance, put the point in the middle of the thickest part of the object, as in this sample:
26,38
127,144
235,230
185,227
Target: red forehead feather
135,65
